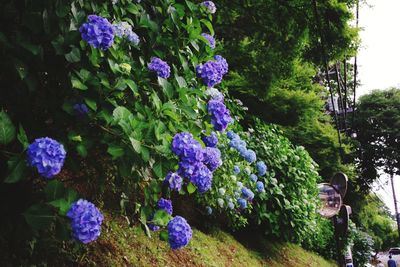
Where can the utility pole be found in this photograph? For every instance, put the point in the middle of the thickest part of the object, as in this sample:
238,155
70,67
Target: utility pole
395,203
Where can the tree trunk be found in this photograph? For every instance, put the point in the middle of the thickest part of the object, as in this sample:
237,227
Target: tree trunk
395,204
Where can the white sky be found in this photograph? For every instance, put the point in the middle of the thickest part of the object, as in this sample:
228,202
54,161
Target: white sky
378,62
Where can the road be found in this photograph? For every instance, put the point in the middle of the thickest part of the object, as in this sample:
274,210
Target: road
384,257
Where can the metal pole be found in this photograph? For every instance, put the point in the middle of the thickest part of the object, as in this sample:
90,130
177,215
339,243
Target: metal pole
395,204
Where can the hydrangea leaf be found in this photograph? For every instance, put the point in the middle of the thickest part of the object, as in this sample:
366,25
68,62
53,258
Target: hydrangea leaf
115,151
164,235
7,129
161,218
191,188
54,190
22,138
39,216
17,169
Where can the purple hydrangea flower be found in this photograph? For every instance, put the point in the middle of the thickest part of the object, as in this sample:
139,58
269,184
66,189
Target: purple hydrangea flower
247,193
211,140
242,203
202,178
153,227
230,205
47,155
187,169
220,116
179,232
214,94
123,29
250,156
223,64
236,169
160,67
210,39
260,186
253,177
212,158
80,109
209,210
86,221
165,204
211,8
261,168
210,73
174,181
187,148
98,32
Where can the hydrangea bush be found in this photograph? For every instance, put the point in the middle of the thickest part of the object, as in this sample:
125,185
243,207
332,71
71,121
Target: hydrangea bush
140,85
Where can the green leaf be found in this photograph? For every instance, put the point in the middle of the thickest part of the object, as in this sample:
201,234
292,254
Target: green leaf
73,56
121,113
22,138
167,87
208,25
145,153
82,151
76,83
181,82
191,188
17,169
137,146
155,100
158,170
7,129
164,235
161,218
71,195
61,204
115,151
54,190
39,216
132,85
91,103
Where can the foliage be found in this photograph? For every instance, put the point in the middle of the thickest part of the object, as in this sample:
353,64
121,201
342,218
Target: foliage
377,123
362,245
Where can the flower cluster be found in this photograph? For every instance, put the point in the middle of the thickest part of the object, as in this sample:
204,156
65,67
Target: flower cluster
165,204
124,29
212,71
210,39
261,168
240,146
220,116
174,181
211,140
260,186
236,169
214,94
86,221
212,158
98,32
160,67
179,232
47,155
210,6
80,109
247,193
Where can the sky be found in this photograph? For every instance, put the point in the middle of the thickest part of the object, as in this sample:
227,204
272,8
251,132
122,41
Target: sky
378,63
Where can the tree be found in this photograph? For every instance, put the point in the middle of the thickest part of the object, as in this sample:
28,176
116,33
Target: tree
377,125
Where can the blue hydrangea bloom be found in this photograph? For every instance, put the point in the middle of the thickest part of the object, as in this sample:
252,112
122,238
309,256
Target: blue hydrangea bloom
230,205
209,210
160,67
236,169
211,140
232,135
260,186
261,168
98,32
214,94
223,64
242,203
250,156
212,158
153,227
174,181
133,38
202,178
187,148
86,221
187,169
220,116
253,177
211,8
47,155
210,73
179,232
221,191
247,193
80,109
239,185
210,39
165,204
123,29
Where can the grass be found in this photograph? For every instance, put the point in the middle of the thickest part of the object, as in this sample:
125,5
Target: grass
120,245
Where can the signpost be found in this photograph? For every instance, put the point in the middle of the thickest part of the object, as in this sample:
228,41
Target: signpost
331,196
